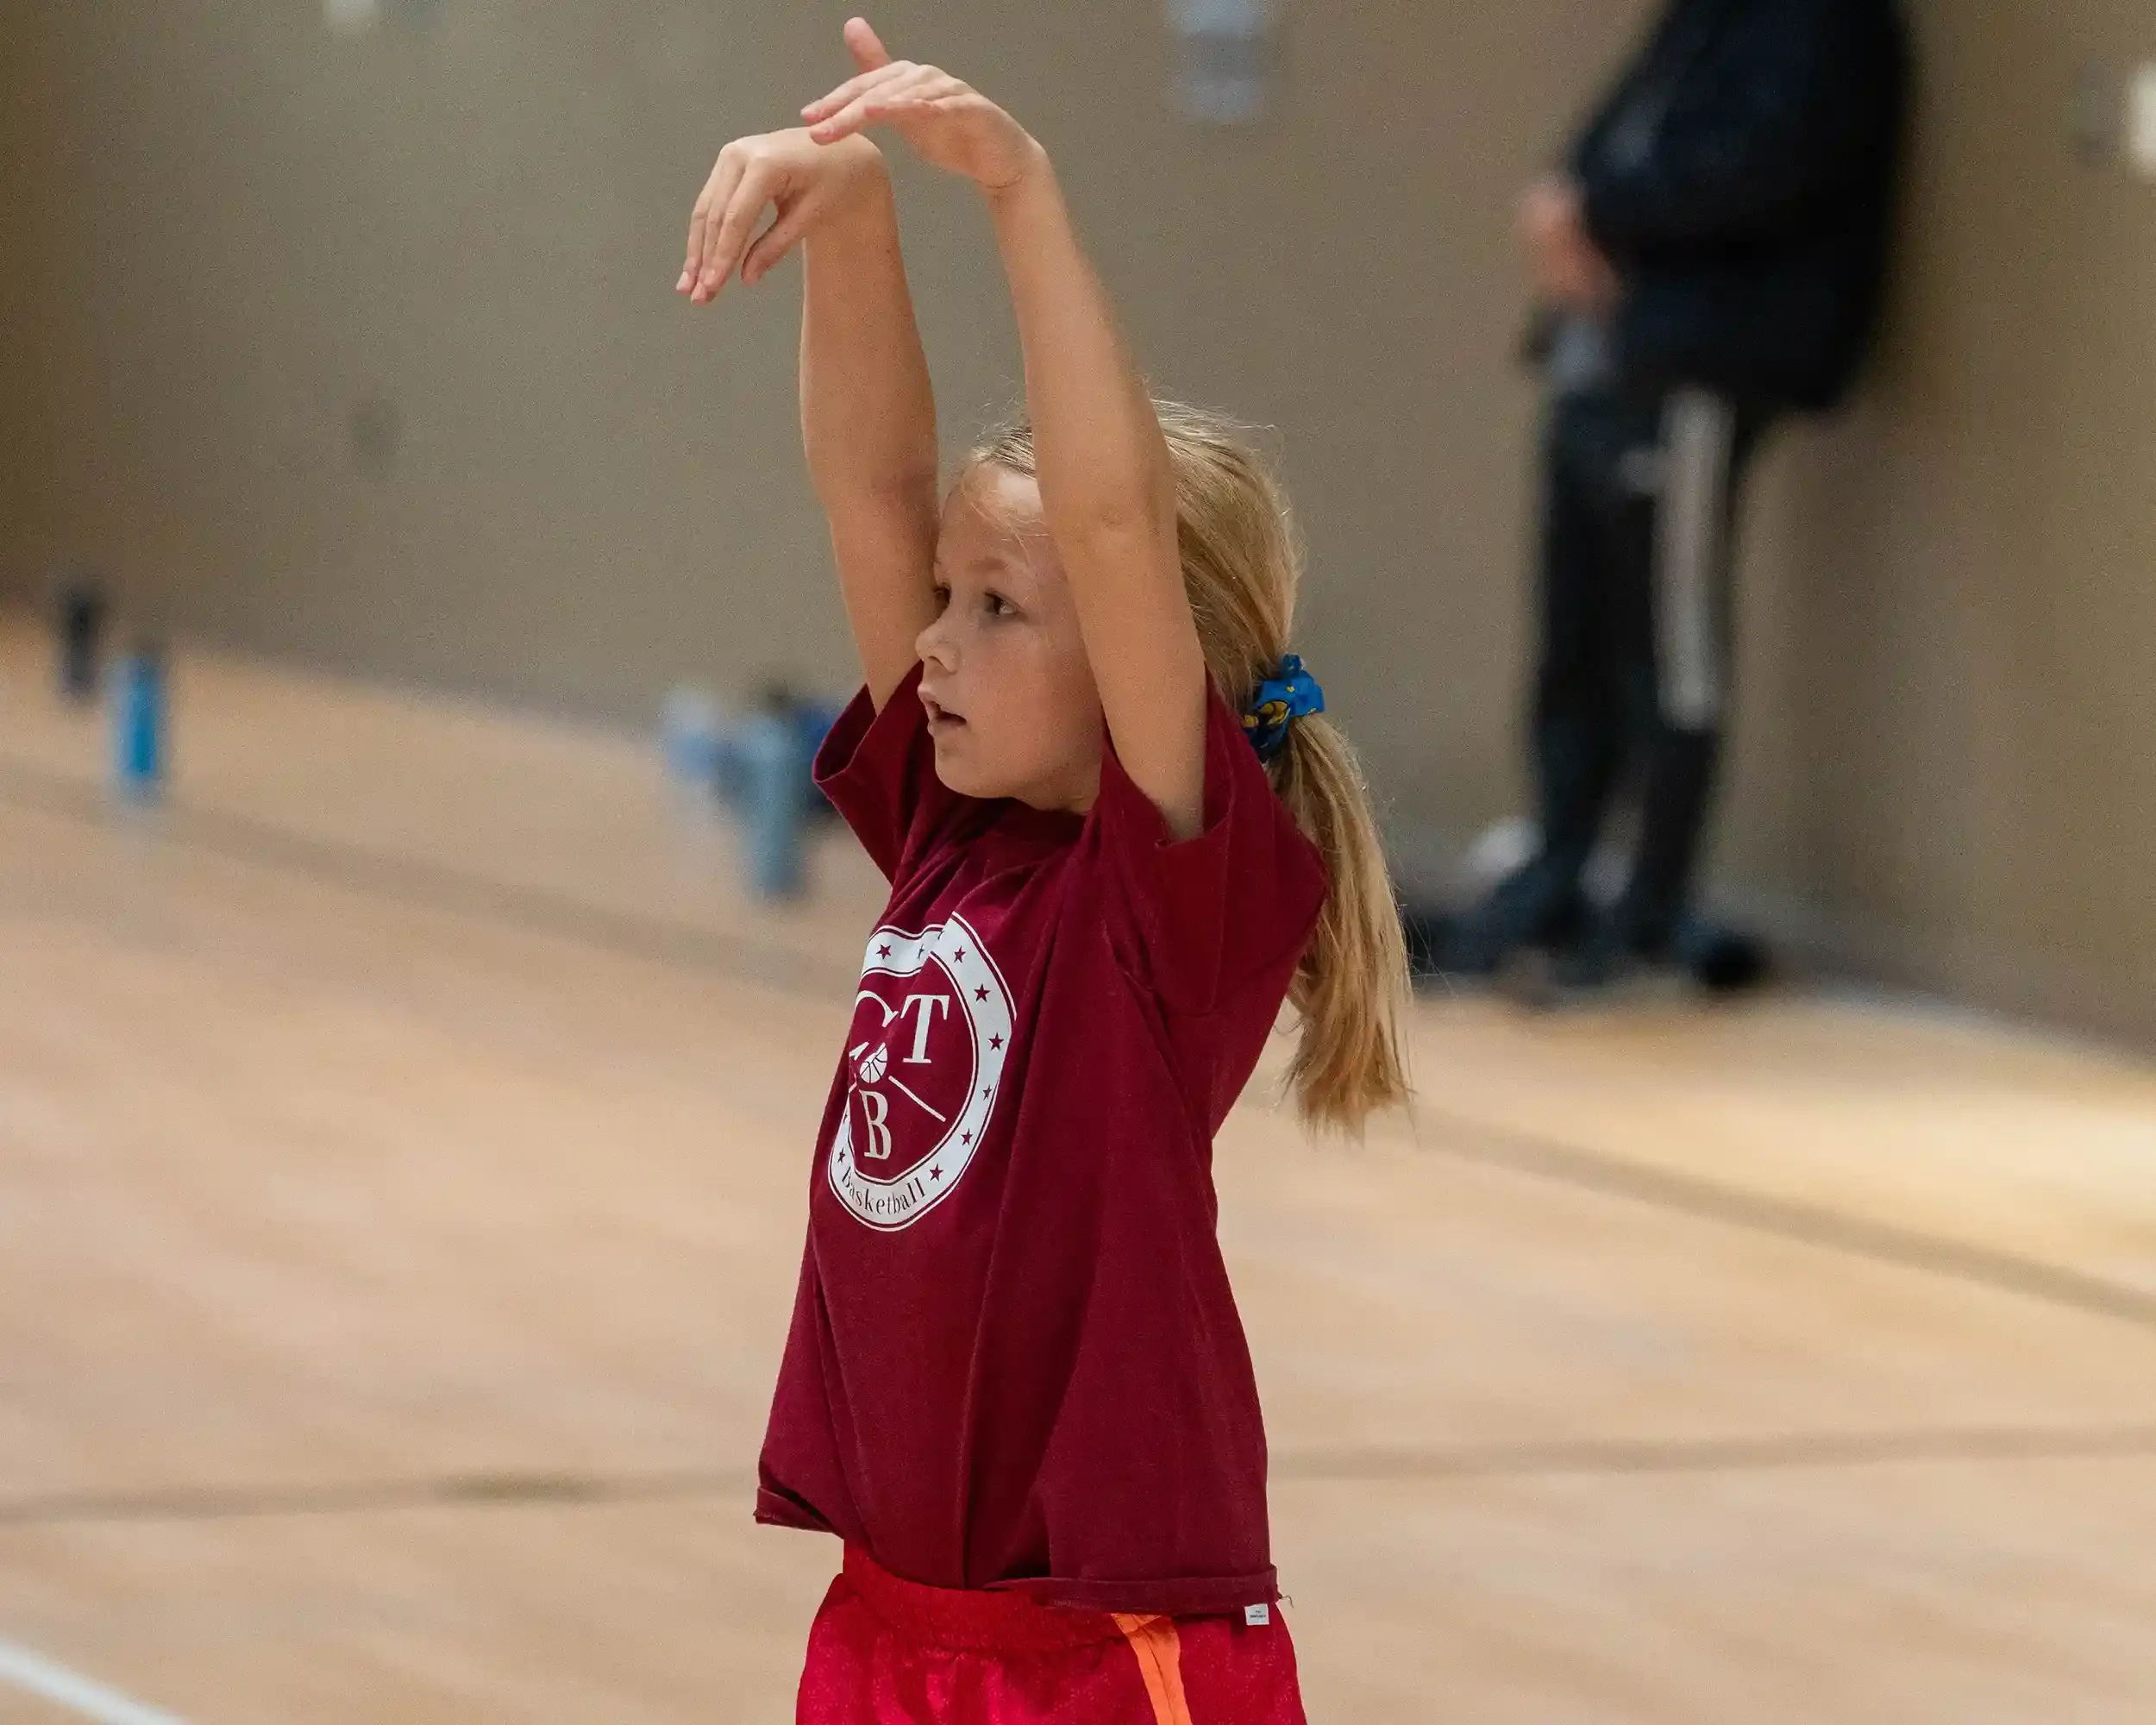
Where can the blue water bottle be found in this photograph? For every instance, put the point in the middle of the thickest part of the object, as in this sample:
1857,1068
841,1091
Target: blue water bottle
692,732
138,722
772,758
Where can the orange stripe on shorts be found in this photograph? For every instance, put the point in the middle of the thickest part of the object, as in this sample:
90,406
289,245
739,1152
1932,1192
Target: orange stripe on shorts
1160,1657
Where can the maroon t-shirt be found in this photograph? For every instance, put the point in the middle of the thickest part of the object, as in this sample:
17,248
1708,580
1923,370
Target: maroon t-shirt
1015,1359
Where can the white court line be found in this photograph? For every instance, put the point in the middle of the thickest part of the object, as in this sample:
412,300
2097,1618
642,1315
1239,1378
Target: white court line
39,1676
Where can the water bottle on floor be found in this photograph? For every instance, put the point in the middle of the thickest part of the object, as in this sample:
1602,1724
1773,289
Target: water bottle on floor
692,732
772,753
138,722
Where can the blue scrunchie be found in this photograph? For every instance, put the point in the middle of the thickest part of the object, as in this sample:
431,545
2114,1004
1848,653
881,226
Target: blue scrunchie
1291,694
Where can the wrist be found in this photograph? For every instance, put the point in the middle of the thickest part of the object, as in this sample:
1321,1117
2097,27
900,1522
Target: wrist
864,163
864,193
1034,169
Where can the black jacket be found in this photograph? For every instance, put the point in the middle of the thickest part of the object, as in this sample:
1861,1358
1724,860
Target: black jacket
1741,178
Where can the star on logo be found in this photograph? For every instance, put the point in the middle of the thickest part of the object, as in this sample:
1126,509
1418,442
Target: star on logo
883,952
980,994
993,1042
961,954
935,1174
969,1137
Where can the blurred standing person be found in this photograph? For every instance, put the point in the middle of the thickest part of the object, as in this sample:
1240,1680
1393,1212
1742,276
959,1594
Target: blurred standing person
1710,257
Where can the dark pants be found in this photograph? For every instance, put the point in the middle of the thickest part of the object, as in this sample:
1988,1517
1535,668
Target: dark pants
1638,505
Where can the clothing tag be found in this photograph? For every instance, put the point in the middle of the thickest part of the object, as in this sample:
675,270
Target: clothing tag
1253,1615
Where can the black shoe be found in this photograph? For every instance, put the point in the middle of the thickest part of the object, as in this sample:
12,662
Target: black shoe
1534,905
1722,960
1605,957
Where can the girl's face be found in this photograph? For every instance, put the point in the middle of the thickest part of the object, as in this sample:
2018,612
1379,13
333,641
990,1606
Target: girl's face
1010,695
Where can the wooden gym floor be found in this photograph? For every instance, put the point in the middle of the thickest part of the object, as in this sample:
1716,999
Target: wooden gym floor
403,1139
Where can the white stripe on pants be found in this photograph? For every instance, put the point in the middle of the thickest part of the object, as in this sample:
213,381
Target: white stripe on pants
1698,428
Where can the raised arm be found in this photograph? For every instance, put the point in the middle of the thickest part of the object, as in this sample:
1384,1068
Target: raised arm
1109,495
1107,486
868,428
868,415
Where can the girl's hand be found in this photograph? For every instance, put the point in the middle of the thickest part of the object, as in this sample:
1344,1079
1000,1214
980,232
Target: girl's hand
948,123
801,178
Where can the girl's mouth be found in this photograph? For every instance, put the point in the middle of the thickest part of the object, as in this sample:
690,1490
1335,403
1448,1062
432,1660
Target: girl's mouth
940,717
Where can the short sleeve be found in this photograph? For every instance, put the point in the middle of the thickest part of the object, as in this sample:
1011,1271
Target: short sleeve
879,770
1207,914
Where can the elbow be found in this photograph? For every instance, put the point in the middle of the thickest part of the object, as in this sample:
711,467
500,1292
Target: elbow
1112,538
890,480
1110,511
906,485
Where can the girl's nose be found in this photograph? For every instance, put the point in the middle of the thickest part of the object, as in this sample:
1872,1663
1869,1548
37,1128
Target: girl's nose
933,645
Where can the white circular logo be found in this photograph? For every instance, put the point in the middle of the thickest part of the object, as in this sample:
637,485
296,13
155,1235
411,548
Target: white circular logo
924,1060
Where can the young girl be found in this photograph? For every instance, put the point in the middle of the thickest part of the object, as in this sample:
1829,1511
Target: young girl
1118,835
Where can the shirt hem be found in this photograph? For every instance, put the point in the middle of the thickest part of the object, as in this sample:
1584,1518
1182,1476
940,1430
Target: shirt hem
1181,1597
775,1511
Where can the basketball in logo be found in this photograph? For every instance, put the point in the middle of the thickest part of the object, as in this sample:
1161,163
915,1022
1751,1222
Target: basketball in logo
875,1063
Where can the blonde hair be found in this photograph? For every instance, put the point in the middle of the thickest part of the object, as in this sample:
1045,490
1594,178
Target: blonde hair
1241,566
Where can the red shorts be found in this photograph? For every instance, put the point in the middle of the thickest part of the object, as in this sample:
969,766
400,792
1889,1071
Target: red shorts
887,1652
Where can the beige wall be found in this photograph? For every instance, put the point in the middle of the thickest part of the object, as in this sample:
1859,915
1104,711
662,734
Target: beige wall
224,230
17,300
1948,770
244,228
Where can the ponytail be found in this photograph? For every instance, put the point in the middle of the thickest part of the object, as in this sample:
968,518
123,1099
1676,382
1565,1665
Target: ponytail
1350,989
1241,566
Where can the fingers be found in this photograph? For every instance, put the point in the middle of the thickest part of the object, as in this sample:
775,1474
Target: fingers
726,215
696,238
704,222
919,90
855,86
771,246
866,46
699,221
730,239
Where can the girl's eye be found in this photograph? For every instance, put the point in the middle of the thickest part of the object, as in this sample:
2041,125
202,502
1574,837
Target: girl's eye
1000,606
942,597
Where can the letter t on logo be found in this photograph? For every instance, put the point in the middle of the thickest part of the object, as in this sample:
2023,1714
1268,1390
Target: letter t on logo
931,1006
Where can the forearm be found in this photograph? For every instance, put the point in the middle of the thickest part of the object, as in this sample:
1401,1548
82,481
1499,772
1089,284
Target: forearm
867,412
1109,493
868,429
1103,464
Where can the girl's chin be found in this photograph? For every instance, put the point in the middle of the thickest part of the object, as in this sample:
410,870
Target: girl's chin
965,777
960,774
